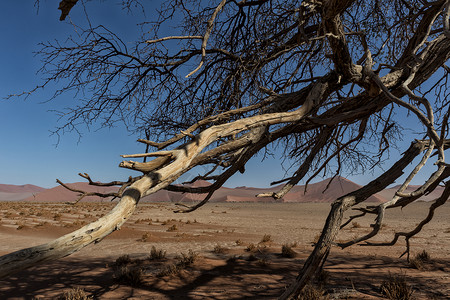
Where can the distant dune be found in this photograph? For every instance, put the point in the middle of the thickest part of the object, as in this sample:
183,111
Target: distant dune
26,188
323,191
61,194
10,192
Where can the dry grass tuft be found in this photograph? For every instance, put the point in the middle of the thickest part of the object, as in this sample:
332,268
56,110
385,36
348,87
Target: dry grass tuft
356,225
129,276
420,260
251,248
75,294
219,249
396,288
157,254
123,260
287,251
184,261
145,237
172,228
266,238
312,292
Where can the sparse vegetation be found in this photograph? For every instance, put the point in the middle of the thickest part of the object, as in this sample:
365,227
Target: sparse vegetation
287,251
219,249
312,292
395,287
172,228
263,262
133,276
123,260
75,294
266,238
420,260
145,237
251,247
157,254
184,261
239,242
356,225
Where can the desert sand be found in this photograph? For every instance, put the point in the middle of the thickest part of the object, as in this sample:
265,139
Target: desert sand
237,250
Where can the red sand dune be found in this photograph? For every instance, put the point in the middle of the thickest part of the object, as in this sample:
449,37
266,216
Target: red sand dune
316,192
26,188
61,194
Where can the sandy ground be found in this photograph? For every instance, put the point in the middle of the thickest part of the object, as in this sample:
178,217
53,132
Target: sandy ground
219,236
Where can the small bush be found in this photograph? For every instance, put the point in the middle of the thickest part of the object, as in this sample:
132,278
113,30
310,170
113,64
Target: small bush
123,260
312,292
424,256
266,238
356,225
219,249
129,276
420,260
287,251
396,288
187,260
263,262
170,270
157,254
251,248
75,294
145,237
172,228
239,242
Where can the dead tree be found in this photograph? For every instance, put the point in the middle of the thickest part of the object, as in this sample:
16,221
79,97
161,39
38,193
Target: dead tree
326,80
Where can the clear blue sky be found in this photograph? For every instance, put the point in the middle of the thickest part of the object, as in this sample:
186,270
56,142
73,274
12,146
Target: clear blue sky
28,153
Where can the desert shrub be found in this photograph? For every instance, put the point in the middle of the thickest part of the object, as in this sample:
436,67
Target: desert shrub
75,294
263,262
188,259
266,238
424,256
239,242
219,249
170,270
356,225
420,260
157,254
123,260
312,292
129,276
145,237
287,251
185,260
251,248
396,288
172,228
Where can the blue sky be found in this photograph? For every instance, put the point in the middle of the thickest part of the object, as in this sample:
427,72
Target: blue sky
28,151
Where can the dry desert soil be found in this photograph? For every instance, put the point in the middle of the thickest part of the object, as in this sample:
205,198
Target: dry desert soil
221,251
